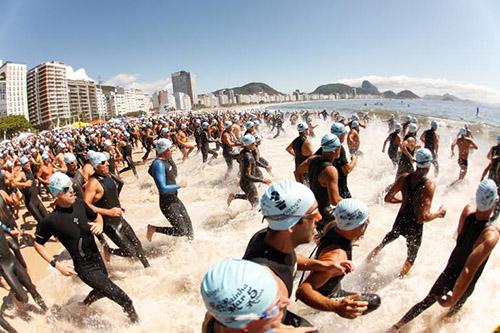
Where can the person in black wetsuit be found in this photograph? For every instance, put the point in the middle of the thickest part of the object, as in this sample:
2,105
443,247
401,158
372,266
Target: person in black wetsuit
292,213
415,210
126,150
102,196
164,171
431,142
205,139
147,140
406,156
301,147
27,184
229,141
477,237
110,151
260,161
394,140
343,166
493,172
74,224
323,290
75,174
323,177
247,170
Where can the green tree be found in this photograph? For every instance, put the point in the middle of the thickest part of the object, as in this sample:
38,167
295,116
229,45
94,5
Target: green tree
13,124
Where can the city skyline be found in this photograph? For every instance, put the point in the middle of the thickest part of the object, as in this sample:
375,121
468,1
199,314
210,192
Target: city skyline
450,46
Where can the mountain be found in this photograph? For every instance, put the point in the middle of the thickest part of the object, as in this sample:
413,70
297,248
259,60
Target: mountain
368,87
445,97
406,94
389,94
333,88
251,89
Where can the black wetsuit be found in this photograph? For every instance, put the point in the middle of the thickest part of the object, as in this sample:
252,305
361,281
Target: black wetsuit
430,143
170,204
471,231
127,157
338,163
297,144
8,224
78,182
316,167
205,149
283,265
393,148
333,288
117,228
405,165
70,227
248,178
407,221
261,162
228,152
147,143
33,203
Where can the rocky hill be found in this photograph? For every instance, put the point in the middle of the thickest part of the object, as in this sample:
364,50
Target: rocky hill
251,89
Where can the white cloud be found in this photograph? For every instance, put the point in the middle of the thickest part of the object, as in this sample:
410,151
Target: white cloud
131,81
427,86
79,74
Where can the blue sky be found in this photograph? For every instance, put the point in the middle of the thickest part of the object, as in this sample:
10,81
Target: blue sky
288,44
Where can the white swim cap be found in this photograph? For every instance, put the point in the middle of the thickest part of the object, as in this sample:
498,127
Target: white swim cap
350,214
249,124
330,142
338,129
354,124
285,203
162,145
97,158
23,160
257,137
228,124
412,128
424,158
58,182
462,131
205,125
397,127
301,127
69,158
247,140
434,124
486,195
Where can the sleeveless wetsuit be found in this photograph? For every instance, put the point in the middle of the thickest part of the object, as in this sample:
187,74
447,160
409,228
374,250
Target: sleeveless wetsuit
33,204
393,148
316,166
248,178
297,144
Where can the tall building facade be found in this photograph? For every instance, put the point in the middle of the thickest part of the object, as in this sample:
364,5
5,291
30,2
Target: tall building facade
48,99
13,95
122,101
82,100
102,104
184,82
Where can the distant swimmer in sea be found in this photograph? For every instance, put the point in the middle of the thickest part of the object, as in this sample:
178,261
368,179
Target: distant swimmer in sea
431,142
465,144
415,210
477,237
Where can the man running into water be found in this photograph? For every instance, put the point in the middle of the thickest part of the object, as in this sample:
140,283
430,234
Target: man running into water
164,171
45,171
417,191
74,224
493,172
322,290
301,147
394,140
431,141
323,177
465,144
477,237
182,142
495,150
247,171
27,183
292,213
205,140
101,195
229,141
353,141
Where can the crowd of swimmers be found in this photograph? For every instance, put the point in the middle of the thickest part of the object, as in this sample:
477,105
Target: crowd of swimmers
77,174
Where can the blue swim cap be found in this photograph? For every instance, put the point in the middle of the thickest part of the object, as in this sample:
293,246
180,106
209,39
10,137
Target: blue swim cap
23,160
486,195
284,203
338,129
228,124
424,158
249,124
247,140
354,124
350,214
162,145
330,142
412,128
69,158
397,127
301,127
434,124
257,137
57,182
205,125
164,130
97,158
236,291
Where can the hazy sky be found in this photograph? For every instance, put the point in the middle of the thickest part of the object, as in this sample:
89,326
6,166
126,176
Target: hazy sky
449,46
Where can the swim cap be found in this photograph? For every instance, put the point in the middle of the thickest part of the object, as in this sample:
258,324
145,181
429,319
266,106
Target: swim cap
228,124
237,291
256,122
424,158
462,131
164,130
397,127
434,124
355,117
57,182
350,214
257,137
69,158
97,158
330,142
249,124
338,129
183,126
23,160
247,140
486,195
391,116
354,124
412,128
205,125
407,118
61,145
45,156
162,145
107,143
301,127
284,203
414,120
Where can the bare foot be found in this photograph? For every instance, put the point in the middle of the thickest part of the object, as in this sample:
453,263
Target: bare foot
230,199
404,270
150,232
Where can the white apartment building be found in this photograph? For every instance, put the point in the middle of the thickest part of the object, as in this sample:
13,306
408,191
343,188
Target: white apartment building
182,101
123,101
14,96
48,99
102,104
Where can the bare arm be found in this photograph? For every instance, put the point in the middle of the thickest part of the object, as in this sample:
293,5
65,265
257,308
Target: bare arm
427,195
350,166
89,195
486,170
302,169
289,149
390,197
330,177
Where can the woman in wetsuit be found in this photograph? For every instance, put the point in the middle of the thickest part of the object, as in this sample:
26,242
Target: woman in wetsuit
477,237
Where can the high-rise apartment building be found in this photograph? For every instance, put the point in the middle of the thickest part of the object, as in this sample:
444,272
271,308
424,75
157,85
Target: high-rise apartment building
102,104
184,82
82,100
122,101
48,99
13,95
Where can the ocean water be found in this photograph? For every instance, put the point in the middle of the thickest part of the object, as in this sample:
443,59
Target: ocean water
167,294
456,110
